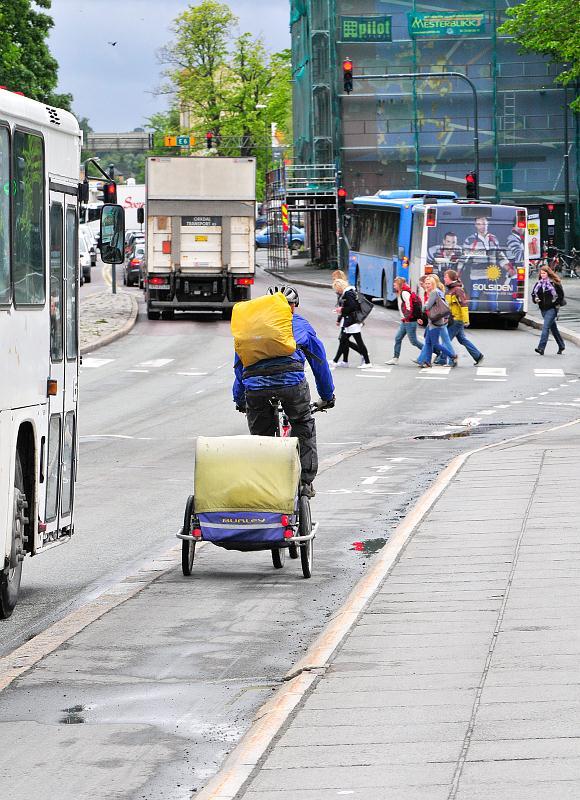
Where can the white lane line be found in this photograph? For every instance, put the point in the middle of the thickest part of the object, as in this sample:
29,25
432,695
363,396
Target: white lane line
516,402
553,389
95,436
471,422
570,405
431,377
491,380
492,371
331,444
543,393
487,412
563,384
441,369
573,380
368,375
532,397
192,374
544,373
384,370
137,370
383,468
199,391
368,481
95,363
155,363
506,405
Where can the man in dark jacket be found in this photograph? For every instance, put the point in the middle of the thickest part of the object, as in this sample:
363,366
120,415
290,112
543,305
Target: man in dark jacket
283,377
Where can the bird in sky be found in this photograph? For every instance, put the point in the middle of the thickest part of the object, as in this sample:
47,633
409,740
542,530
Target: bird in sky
112,43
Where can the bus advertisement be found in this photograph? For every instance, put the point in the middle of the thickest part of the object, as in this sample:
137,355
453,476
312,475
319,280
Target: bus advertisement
409,234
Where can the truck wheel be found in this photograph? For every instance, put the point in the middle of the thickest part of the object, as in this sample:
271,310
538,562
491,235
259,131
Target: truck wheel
11,576
226,313
167,314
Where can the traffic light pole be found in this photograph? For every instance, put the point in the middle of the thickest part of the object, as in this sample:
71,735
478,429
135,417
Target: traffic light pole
461,76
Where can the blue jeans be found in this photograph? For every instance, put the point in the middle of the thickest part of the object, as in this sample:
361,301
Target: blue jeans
432,344
550,316
457,331
406,329
445,339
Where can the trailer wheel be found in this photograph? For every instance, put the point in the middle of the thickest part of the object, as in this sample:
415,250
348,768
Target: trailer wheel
278,557
305,527
187,546
11,576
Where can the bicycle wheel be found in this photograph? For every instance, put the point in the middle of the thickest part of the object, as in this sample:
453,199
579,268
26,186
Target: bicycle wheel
305,527
278,557
187,545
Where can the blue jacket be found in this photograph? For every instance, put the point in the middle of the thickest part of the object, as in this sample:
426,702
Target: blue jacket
313,352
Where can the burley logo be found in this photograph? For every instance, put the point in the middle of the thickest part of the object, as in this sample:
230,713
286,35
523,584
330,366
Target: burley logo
446,23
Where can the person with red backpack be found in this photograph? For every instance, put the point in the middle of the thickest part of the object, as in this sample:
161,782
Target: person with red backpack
411,310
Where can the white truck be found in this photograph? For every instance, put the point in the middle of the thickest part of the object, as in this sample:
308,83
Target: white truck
200,217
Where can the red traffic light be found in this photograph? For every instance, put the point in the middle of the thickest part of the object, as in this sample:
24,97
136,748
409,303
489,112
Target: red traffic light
470,178
109,193
342,193
471,189
347,75
209,140
550,207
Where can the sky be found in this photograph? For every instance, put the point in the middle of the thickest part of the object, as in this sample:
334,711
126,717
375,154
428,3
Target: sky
114,85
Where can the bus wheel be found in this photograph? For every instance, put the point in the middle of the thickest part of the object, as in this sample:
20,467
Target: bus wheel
384,292
10,577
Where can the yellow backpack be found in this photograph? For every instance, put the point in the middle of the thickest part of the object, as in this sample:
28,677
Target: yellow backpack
262,328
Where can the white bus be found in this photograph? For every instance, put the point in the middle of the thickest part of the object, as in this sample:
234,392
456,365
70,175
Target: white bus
40,150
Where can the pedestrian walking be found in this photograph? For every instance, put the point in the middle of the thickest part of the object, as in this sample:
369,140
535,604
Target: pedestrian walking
438,313
459,306
411,310
548,293
349,326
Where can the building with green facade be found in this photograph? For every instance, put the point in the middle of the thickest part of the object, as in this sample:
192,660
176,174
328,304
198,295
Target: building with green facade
419,133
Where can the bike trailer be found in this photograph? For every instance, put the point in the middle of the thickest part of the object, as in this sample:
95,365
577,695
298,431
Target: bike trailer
246,488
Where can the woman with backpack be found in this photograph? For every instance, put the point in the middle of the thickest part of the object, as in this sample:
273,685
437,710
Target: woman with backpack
438,313
549,295
411,310
349,326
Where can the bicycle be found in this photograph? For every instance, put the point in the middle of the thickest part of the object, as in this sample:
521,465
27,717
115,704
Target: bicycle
566,263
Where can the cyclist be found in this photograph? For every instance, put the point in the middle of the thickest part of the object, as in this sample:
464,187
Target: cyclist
283,377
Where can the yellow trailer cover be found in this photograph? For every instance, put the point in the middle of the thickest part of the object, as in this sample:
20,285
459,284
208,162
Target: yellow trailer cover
246,473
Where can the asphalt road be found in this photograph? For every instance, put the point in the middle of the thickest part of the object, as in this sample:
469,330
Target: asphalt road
144,400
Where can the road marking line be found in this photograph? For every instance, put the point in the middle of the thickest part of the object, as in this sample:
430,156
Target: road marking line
503,406
545,373
199,391
95,363
487,412
489,371
516,402
192,374
574,380
491,380
543,393
156,362
137,370
368,375
368,481
431,377
553,389
471,422
386,370
441,369
532,397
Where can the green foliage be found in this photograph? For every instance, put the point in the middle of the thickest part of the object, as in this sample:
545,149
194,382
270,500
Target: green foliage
549,27
26,64
225,83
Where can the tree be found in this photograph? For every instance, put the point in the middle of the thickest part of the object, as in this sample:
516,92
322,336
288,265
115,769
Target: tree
549,27
26,64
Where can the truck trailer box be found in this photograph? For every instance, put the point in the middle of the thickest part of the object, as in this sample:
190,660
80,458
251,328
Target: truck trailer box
200,233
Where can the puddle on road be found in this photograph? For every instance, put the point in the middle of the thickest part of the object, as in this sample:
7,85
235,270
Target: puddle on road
486,427
368,547
73,716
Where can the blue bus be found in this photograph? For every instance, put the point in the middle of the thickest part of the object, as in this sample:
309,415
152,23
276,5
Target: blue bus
411,233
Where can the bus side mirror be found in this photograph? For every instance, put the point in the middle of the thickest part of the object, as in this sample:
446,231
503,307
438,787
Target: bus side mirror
112,234
140,215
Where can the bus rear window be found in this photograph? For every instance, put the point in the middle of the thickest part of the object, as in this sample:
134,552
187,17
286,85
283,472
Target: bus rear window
28,221
4,216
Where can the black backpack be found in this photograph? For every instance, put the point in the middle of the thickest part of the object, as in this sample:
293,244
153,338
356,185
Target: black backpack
364,308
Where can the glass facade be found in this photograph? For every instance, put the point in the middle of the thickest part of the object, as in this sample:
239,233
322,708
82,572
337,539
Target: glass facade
419,133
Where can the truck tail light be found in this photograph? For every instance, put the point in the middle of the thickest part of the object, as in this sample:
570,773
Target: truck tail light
521,274
431,219
157,281
166,247
244,281
521,217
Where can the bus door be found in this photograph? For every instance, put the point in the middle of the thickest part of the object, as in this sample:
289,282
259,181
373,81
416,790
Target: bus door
63,283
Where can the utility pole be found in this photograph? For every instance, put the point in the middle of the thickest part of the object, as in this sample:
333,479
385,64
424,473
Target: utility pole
566,175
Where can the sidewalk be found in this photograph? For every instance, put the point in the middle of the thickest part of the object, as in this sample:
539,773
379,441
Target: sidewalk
459,680
105,317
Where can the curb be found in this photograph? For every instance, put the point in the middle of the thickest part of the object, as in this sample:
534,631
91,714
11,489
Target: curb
299,281
114,335
272,715
537,324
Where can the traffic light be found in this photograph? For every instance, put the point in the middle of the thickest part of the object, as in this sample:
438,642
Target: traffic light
471,191
109,193
341,195
347,75
209,140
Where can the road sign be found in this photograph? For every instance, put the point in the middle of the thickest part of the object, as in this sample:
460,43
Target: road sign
284,210
170,141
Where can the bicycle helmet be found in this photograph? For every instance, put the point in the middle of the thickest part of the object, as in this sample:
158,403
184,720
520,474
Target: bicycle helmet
289,293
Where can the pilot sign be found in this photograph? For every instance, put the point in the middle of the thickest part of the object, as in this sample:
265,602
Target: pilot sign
201,222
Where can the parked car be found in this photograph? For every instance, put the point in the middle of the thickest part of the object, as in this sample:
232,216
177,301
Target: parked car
85,259
295,238
87,233
133,267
